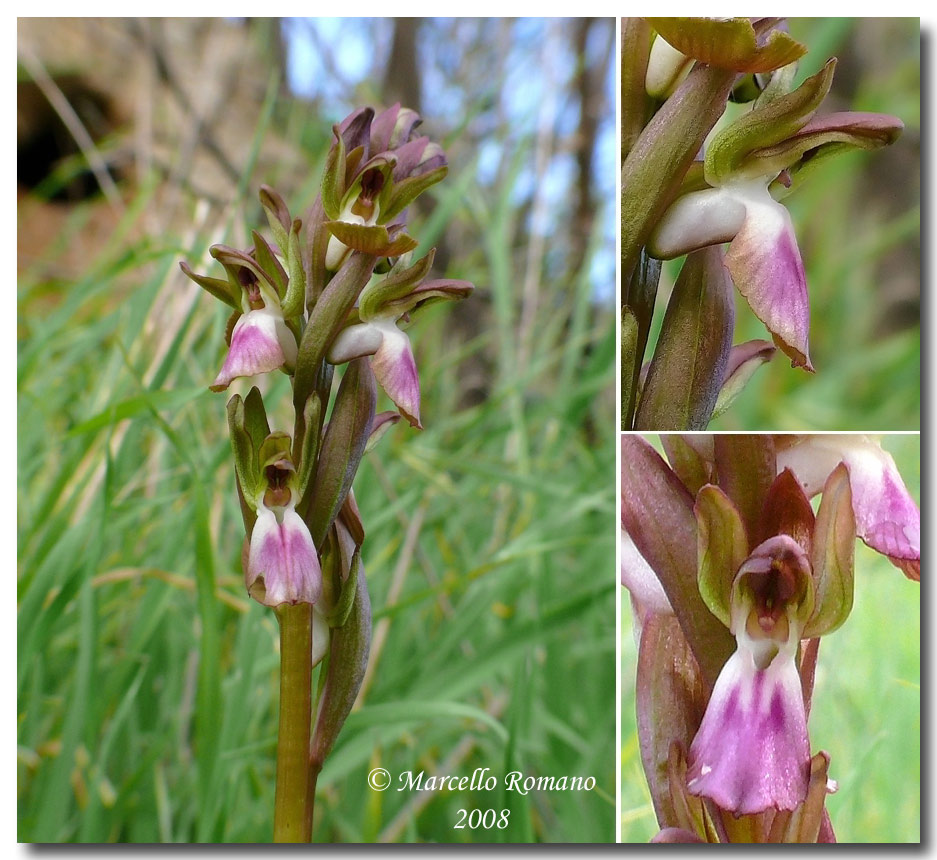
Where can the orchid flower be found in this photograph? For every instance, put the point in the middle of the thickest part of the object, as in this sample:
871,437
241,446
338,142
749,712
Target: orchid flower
382,305
768,573
733,196
260,339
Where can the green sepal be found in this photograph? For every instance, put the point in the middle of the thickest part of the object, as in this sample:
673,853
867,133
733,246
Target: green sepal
824,137
371,239
274,448
729,153
352,160
401,194
342,447
278,215
269,263
338,617
306,458
729,43
295,298
255,418
333,177
426,294
399,282
722,546
314,250
689,458
223,290
245,462
780,84
833,555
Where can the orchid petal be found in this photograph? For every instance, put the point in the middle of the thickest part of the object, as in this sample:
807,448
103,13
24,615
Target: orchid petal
260,342
766,267
395,369
282,554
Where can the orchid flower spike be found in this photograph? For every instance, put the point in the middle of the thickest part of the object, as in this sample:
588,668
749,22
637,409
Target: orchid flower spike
377,334
747,167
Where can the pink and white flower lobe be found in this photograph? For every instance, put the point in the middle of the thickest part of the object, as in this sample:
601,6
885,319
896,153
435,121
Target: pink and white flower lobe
260,342
284,557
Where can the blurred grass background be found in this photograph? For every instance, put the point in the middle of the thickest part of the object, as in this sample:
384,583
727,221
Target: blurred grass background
147,682
857,222
866,710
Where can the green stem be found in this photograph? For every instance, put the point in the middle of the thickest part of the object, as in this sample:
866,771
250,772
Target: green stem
290,819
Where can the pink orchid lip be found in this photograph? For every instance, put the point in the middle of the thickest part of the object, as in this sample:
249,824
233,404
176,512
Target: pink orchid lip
395,369
766,267
887,518
751,752
763,257
260,343
391,360
283,555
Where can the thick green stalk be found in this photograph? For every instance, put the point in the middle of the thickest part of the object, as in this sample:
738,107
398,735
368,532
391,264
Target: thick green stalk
290,822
